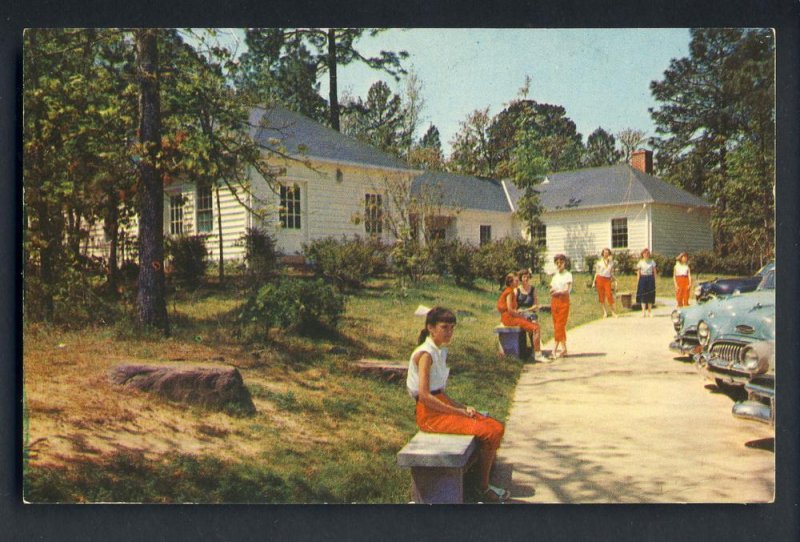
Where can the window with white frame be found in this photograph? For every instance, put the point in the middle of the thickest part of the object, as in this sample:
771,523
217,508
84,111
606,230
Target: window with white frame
619,233
289,211
485,234
205,210
373,214
176,214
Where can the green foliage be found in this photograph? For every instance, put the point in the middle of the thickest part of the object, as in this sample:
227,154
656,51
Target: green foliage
590,261
77,295
346,262
625,262
294,305
411,260
496,259
709,262
188,258
460,261
261,256
720,144
601,149
380,120
664,264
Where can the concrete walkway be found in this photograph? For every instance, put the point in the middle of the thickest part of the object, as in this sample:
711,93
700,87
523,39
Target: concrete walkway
621,420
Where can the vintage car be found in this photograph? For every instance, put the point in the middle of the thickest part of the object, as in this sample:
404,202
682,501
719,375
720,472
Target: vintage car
733,335
685,320
760,403
726,287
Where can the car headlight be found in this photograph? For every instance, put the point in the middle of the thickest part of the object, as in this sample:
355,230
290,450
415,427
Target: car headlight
702,333
750,358
698,290
676,319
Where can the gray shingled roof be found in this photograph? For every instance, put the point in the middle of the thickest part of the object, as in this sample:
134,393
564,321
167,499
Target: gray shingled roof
619,184
299,136
464,191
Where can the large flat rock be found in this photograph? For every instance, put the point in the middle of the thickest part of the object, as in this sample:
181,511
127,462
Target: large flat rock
210,387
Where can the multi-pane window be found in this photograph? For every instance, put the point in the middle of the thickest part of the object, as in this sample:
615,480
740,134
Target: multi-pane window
289,211
373,213
539,235
438,234
486,234
176,214
619,233
205,210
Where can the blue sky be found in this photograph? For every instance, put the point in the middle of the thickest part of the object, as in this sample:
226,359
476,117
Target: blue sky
600,76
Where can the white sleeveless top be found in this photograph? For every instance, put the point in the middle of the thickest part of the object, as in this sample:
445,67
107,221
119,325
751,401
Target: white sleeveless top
439,370
681,270
604,270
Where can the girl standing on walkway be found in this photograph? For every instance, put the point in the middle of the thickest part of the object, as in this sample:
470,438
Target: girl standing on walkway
603,277
646,273
511,316
560,286
682,278
437,412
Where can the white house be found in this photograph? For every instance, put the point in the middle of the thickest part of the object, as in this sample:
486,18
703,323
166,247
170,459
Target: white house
329,184
622,207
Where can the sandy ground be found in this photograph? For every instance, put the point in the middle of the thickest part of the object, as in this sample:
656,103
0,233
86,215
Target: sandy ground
622,420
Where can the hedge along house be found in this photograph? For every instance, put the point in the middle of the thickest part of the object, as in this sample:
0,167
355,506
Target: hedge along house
623,207
472,209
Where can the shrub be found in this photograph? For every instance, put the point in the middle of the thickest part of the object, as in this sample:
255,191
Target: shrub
189,260
460,262
590,261
411,260
664,264
497,258
294,304
261,256
346,262
625,262
708,262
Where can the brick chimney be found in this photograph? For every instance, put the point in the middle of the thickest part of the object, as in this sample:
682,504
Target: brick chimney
643,161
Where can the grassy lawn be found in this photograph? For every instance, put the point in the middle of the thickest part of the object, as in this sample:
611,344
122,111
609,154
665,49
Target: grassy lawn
321,433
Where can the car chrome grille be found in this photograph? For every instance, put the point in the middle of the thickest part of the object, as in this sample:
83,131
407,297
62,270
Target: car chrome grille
727,351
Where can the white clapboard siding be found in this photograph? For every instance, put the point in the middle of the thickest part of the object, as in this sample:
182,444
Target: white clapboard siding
469,222
678,229
332,205
583,232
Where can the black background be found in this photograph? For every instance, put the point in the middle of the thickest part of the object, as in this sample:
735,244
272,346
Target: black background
773,522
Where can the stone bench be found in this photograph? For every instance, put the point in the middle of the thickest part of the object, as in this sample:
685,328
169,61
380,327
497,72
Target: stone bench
512,340
438,463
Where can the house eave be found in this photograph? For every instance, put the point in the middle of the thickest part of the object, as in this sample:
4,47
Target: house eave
361,165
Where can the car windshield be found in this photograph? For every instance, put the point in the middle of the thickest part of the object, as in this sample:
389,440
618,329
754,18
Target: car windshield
768,282
764,270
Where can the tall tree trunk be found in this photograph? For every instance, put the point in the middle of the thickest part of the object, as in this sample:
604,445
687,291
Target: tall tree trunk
150,302
111,229
219,236
334,91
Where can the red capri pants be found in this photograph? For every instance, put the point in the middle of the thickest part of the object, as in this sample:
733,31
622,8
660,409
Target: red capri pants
603,285
559,308
527,325
682,292
488,430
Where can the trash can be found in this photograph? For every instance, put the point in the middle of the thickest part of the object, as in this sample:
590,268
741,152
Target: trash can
625,299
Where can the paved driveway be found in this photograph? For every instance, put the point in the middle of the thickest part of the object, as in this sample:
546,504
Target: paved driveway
621,420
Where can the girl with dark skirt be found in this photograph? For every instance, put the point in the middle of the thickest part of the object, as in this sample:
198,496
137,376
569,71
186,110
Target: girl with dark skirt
646,274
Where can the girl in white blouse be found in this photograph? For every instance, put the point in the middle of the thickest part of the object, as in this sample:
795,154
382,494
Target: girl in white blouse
437,412
646,274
